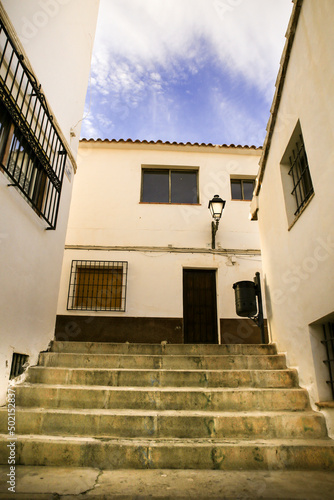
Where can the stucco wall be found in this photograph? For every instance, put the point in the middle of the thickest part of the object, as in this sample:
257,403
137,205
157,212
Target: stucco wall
299,262
58,37
31,256
107,211
108,222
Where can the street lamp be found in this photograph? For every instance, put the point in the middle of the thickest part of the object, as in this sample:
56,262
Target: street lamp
216,206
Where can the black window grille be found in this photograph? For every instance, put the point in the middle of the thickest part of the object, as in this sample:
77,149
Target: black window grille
328,341
98,285
32,154
18,361
300,173
242,189
169,186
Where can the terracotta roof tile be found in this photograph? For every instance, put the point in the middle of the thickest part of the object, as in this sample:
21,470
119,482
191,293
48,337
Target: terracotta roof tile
202,144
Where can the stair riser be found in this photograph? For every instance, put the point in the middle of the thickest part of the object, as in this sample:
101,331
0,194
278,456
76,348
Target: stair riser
278,379
160,362
161,426
247,400
104,455
156,349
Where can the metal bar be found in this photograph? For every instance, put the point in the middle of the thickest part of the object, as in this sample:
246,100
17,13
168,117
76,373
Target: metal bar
260,307
9,65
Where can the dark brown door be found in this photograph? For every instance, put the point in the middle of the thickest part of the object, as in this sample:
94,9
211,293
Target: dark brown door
199,307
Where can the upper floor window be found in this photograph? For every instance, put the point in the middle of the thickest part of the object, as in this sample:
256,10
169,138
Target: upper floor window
300,174
169,186
296,176
242,189
32,153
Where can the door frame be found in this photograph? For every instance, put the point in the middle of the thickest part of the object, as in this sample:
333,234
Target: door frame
203,268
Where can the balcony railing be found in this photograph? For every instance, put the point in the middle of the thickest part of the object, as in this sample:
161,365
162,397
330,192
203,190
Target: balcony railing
32,153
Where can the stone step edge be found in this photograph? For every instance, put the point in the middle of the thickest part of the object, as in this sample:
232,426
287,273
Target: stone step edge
187,389
163,346
158,356
167,413
175,442
165,370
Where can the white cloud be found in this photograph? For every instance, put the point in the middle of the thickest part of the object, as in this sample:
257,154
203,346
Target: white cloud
246,36
138,41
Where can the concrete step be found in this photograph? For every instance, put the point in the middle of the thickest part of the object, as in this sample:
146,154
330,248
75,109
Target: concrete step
104,453
167,424
163,378
213,399
168,362
158,349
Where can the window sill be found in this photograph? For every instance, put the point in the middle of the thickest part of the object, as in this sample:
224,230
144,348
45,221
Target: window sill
166,203
325,404
302,211
236,199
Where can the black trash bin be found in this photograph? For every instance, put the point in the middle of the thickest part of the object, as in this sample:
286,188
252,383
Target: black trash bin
245,298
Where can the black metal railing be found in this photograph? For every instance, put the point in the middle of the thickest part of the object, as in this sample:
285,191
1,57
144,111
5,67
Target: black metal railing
97,285
36,135
328,330
18,361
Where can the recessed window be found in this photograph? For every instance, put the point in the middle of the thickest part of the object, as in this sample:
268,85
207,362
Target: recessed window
242,189
169,186
296,177
300,174
97,285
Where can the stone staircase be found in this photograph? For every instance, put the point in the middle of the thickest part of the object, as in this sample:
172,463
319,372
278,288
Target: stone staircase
140,406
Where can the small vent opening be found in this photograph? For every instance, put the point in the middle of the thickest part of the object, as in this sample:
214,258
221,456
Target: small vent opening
18,361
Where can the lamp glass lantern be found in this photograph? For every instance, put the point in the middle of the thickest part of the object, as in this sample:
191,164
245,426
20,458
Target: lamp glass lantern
216,207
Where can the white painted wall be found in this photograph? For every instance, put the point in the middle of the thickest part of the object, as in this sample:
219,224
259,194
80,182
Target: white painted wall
106,212
299,263
110,173
31,256
58,36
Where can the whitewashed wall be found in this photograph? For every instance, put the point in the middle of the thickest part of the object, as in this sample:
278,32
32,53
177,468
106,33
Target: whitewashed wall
299,263
106,206
58,48
159,240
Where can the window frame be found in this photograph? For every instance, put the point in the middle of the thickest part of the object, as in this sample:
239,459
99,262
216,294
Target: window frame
301,175
169,169
241,180
295,203
93,298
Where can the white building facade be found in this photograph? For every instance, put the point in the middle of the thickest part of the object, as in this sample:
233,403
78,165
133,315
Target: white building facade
139,264
46,50
294,202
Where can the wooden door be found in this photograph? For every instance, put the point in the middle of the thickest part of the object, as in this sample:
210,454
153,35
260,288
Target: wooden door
199,306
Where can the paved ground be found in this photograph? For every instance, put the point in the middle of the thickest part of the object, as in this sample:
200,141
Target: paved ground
51,483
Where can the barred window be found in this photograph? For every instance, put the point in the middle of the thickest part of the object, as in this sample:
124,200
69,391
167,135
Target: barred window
300,174
296,177
97,285
328,341
32,153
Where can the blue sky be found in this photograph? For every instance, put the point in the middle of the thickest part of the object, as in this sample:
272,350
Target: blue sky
185,70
